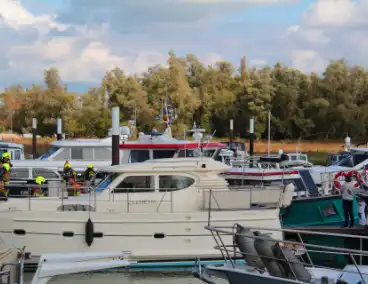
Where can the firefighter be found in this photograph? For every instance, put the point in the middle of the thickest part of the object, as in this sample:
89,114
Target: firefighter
69,174
37,190
5,158
4,177
89,173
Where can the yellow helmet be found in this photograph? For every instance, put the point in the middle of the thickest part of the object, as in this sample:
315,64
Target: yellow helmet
6,155
90,166
67,166
40,180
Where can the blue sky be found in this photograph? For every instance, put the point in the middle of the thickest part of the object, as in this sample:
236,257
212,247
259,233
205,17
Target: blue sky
85,38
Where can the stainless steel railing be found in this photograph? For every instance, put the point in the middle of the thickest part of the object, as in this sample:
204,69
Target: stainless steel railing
230,252
125,200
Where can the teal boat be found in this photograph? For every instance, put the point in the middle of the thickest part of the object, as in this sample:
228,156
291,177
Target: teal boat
316,211
324,214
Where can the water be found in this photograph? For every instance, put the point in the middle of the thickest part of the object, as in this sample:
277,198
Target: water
123,278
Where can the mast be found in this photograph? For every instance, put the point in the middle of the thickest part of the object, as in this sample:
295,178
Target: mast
269,134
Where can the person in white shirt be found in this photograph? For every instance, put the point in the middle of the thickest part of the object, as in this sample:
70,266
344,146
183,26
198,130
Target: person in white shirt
347,200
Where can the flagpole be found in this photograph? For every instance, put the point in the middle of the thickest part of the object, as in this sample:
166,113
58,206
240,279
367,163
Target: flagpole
269,134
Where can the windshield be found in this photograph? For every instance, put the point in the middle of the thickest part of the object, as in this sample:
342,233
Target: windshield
352,160
239,146
106,182
50,152
208,153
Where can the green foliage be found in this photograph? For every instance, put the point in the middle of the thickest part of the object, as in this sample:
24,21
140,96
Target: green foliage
301,104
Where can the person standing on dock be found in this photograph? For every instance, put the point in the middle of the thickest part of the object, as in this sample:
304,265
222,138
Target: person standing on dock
347,200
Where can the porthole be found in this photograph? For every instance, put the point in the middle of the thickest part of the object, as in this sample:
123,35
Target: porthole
98,235
159,235
68,234
19,232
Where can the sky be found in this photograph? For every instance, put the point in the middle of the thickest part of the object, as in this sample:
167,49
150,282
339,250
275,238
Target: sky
86,38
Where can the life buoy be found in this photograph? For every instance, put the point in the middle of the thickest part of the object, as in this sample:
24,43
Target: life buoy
360,180
89,232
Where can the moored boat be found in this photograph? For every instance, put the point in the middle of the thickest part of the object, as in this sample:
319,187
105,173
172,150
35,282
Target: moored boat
157,209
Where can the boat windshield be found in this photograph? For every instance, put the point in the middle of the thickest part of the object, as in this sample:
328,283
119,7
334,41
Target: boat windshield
299,157
106,182
352,160
209,152
46,155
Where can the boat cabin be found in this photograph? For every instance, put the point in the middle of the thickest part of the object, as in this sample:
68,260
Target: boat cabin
22,179
300,178
147,147
15,150
165,185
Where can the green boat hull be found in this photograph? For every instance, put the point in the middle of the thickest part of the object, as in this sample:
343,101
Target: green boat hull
323,214
316,211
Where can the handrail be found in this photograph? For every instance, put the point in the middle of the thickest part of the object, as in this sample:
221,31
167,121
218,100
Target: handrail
59,197
218,231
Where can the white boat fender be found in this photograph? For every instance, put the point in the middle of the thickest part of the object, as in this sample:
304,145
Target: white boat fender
89,232
291,264
246,246
265,248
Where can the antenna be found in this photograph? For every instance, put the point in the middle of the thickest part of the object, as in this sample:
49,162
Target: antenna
269,134
185,145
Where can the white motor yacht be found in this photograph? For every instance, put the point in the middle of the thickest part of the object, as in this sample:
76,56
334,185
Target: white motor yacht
157,209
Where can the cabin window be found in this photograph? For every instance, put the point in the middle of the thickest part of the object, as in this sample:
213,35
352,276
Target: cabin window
17,155
136,184
187,153
138,156
208,153
47,174
163,154
19,173
329,211
87,154
75,207
77,153
63,155
359,159
102,154
171,183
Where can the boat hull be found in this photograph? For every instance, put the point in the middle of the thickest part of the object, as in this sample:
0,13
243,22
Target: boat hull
158,236
241,276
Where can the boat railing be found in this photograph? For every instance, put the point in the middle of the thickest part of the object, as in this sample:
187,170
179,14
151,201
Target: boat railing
124,199
231,253
137,200
251,197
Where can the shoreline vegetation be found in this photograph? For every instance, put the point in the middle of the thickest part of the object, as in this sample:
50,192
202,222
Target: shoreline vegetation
308,106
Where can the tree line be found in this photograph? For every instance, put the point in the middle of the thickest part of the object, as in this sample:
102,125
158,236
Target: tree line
326,106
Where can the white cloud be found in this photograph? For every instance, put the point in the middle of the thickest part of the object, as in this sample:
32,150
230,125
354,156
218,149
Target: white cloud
79,58
257,62
308,60
337,14
330,29
211,58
